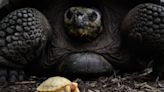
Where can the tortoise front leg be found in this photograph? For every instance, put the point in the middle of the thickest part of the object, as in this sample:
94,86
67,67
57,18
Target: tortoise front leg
23,37
144,25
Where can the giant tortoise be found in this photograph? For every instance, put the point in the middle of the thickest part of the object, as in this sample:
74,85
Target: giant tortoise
80,37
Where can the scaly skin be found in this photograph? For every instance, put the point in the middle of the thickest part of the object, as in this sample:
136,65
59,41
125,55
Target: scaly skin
22,37
145,24
83,23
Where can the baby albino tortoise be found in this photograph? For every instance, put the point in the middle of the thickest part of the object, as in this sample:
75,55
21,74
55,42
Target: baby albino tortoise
58,84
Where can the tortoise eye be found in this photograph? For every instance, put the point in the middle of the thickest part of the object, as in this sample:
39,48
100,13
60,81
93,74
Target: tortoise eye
69,14
93,16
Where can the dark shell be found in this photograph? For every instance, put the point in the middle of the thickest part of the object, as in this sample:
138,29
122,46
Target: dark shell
44,2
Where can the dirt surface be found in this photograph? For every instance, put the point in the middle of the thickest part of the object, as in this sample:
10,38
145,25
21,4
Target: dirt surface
135,82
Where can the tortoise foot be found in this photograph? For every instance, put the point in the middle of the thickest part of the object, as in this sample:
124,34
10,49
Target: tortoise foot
11,75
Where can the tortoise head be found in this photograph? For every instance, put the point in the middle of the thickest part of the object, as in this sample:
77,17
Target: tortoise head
83,23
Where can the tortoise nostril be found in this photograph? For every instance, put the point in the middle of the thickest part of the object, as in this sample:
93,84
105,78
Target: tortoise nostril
79,14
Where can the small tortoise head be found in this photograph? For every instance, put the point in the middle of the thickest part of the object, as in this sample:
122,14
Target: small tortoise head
83,23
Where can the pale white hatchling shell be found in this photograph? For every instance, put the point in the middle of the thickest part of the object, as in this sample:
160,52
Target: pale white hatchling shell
57,84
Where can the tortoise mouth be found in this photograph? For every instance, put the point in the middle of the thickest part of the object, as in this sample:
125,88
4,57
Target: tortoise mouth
86,64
